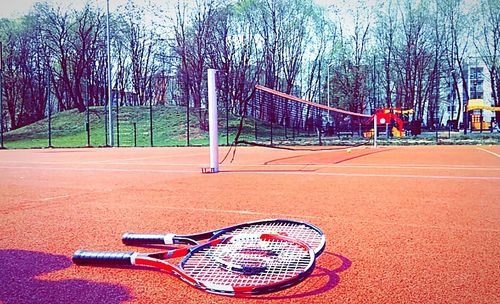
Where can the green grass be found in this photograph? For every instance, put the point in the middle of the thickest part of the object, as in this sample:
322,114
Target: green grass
69,129
169,129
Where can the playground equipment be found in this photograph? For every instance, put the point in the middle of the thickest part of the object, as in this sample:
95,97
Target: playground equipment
477,106
391,118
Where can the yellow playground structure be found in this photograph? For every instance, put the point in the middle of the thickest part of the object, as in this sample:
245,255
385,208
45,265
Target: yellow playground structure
477,106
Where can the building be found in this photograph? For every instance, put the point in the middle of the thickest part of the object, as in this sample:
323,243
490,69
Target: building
478,87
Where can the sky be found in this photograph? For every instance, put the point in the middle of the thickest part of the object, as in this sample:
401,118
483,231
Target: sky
15,8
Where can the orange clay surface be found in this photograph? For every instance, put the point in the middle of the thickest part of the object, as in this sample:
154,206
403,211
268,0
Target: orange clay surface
403,224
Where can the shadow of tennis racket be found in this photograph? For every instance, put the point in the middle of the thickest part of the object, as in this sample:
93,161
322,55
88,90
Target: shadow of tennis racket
322,280
20,283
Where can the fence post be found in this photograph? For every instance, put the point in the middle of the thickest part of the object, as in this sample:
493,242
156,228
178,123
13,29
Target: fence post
135,134
118,122
151,121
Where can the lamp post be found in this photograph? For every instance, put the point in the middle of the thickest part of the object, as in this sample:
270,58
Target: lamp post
49,105
328,89
108,51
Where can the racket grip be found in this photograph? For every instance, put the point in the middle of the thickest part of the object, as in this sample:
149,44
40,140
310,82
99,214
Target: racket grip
83,257
144,239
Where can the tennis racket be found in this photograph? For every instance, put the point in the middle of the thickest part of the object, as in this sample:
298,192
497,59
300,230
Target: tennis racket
243,264
302,231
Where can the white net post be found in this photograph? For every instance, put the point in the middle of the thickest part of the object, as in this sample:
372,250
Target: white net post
212,122
375,123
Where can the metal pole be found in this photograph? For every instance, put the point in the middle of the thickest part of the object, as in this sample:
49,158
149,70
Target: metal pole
481,122
436,125
49,104
151,122
257,95
108,51
188,135
135,134
466,113
212,122
88,111
118,123
375,131
227,120
328,89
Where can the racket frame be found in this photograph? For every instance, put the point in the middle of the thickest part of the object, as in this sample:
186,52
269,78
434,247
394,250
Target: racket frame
129,238
158,260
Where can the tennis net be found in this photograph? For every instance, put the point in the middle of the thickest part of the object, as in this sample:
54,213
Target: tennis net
276,119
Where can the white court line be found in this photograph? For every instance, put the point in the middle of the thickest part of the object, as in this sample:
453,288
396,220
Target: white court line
104,163
54,198
370,166
317,166
427,167
102,169
325,218
112,161
261,172
487,151
372,175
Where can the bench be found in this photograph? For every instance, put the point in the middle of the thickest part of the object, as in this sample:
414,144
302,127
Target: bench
344,134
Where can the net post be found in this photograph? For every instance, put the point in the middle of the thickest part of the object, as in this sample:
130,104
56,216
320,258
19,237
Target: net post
212,122
375,130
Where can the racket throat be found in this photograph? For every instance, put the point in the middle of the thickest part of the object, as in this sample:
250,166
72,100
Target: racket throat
242,269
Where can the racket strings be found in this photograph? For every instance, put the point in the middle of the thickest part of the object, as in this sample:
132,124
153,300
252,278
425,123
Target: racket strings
297,231
286,261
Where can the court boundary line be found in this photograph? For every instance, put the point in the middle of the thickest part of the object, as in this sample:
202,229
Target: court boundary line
411,176
371,175
317,166
490,152
375,166
54,198
323,218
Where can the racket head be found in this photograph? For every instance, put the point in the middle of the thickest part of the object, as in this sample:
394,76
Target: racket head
298,230
303,231
271,263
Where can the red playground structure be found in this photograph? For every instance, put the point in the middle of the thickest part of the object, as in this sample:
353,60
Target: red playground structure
392,117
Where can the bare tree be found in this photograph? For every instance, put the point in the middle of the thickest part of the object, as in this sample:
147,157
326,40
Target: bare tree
25,71
351,72
488,46
140,40
87,31
324,34
457,42
385,36
413,57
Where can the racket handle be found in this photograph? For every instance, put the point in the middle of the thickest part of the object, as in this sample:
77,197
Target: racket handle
144,239
83,257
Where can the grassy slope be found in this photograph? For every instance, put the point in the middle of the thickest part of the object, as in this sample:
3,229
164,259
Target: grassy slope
69,129
169,129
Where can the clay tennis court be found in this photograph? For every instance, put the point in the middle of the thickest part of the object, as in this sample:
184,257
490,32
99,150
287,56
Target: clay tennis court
403,224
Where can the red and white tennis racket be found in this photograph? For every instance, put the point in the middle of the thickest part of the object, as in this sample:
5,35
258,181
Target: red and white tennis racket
242,264
302,231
